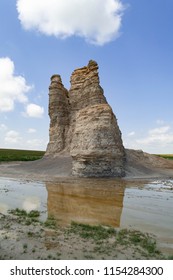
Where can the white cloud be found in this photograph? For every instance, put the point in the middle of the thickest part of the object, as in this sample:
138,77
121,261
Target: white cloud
158,136
31,130
3,127
159,130
131,133
160,122
34,111
12,137
12,88
157,140
98,21
36,144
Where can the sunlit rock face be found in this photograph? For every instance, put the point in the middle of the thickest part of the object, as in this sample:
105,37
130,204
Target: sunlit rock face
59,116
83,125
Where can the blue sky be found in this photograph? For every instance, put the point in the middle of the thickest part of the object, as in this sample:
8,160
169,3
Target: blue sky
132,42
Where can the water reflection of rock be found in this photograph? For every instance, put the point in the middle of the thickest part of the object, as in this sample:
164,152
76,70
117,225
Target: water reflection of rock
86,201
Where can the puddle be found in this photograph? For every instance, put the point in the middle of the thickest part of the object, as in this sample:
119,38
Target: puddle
122,204
23,195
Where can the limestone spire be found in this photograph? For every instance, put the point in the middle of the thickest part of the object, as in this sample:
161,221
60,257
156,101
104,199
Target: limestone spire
83,125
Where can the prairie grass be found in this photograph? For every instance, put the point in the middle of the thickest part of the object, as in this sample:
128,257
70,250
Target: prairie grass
137,238
166,156
20,155
21,212
104,236
27,218
50,222
94,232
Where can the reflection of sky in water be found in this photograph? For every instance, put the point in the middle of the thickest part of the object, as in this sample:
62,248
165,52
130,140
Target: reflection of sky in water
143,206
22,194
148,208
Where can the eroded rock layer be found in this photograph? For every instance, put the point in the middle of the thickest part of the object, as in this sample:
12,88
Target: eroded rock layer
59,116
83,125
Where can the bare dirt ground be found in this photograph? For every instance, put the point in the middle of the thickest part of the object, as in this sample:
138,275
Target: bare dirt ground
44,169
143,165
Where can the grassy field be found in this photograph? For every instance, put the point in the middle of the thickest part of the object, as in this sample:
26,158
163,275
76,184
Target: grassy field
170,156
27,155
20,155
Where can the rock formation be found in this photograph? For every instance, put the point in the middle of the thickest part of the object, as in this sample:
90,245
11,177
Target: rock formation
59,116
83,126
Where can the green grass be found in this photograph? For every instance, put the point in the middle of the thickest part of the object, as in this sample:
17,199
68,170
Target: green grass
93,232
170,257
21,212
20,155
25,217
137,238
18,212
166,156
50,222
31,217
143,242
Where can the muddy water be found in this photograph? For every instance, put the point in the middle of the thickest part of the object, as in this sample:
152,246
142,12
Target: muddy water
147,206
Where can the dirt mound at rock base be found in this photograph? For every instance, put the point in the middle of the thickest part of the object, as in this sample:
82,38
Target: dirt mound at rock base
140,164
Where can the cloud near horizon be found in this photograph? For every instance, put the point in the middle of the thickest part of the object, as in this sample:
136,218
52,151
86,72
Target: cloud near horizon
12,88
12,137
158,136
98,21
155,140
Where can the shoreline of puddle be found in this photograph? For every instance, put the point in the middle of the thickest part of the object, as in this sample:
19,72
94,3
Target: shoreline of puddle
142,205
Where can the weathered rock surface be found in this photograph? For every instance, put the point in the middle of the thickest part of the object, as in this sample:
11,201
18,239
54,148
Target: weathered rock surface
83,125
96,146
59,116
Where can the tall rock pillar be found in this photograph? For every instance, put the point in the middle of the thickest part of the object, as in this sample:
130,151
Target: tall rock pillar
59,116
96,149
83,125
